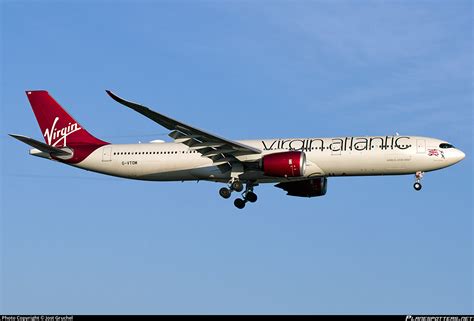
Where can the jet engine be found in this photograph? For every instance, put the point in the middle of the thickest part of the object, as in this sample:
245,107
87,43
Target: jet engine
307,188
286,164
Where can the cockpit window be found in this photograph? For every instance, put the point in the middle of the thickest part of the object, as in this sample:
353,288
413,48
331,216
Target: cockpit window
444,145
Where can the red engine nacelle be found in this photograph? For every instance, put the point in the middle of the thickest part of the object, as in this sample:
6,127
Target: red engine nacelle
307,188
286,164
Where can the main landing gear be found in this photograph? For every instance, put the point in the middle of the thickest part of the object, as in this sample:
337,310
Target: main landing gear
418,176
247,196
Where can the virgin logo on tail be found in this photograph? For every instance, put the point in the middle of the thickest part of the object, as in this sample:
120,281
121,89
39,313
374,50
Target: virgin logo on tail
54,136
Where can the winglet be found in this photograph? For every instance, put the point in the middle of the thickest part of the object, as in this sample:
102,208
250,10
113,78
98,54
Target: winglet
117,98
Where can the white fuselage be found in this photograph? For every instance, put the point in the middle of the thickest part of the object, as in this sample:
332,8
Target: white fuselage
341,156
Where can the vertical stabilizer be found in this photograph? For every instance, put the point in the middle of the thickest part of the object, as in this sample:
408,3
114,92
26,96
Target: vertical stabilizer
58,127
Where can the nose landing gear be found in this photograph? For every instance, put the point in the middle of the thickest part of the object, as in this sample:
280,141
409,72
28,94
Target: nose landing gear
418,176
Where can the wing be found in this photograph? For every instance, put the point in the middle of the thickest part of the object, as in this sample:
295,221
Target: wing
220,150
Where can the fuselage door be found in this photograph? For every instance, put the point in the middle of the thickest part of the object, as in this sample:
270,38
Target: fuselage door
106,154
420,146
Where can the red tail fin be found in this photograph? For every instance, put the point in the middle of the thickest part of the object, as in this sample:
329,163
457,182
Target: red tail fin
58,127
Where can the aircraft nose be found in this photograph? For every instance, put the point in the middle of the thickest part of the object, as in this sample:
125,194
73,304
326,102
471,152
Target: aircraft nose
459,155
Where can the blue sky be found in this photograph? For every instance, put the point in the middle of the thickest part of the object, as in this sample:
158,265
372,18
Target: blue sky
77,242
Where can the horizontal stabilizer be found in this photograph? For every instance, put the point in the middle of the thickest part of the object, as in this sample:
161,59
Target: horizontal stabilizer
42,146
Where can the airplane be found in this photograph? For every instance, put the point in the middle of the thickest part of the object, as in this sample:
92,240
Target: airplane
300,166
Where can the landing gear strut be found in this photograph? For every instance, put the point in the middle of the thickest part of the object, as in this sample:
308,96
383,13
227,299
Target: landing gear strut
247,196
418,176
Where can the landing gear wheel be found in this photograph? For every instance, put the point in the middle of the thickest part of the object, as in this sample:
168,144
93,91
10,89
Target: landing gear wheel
237,186
225,192
239,203
417,186
251,197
